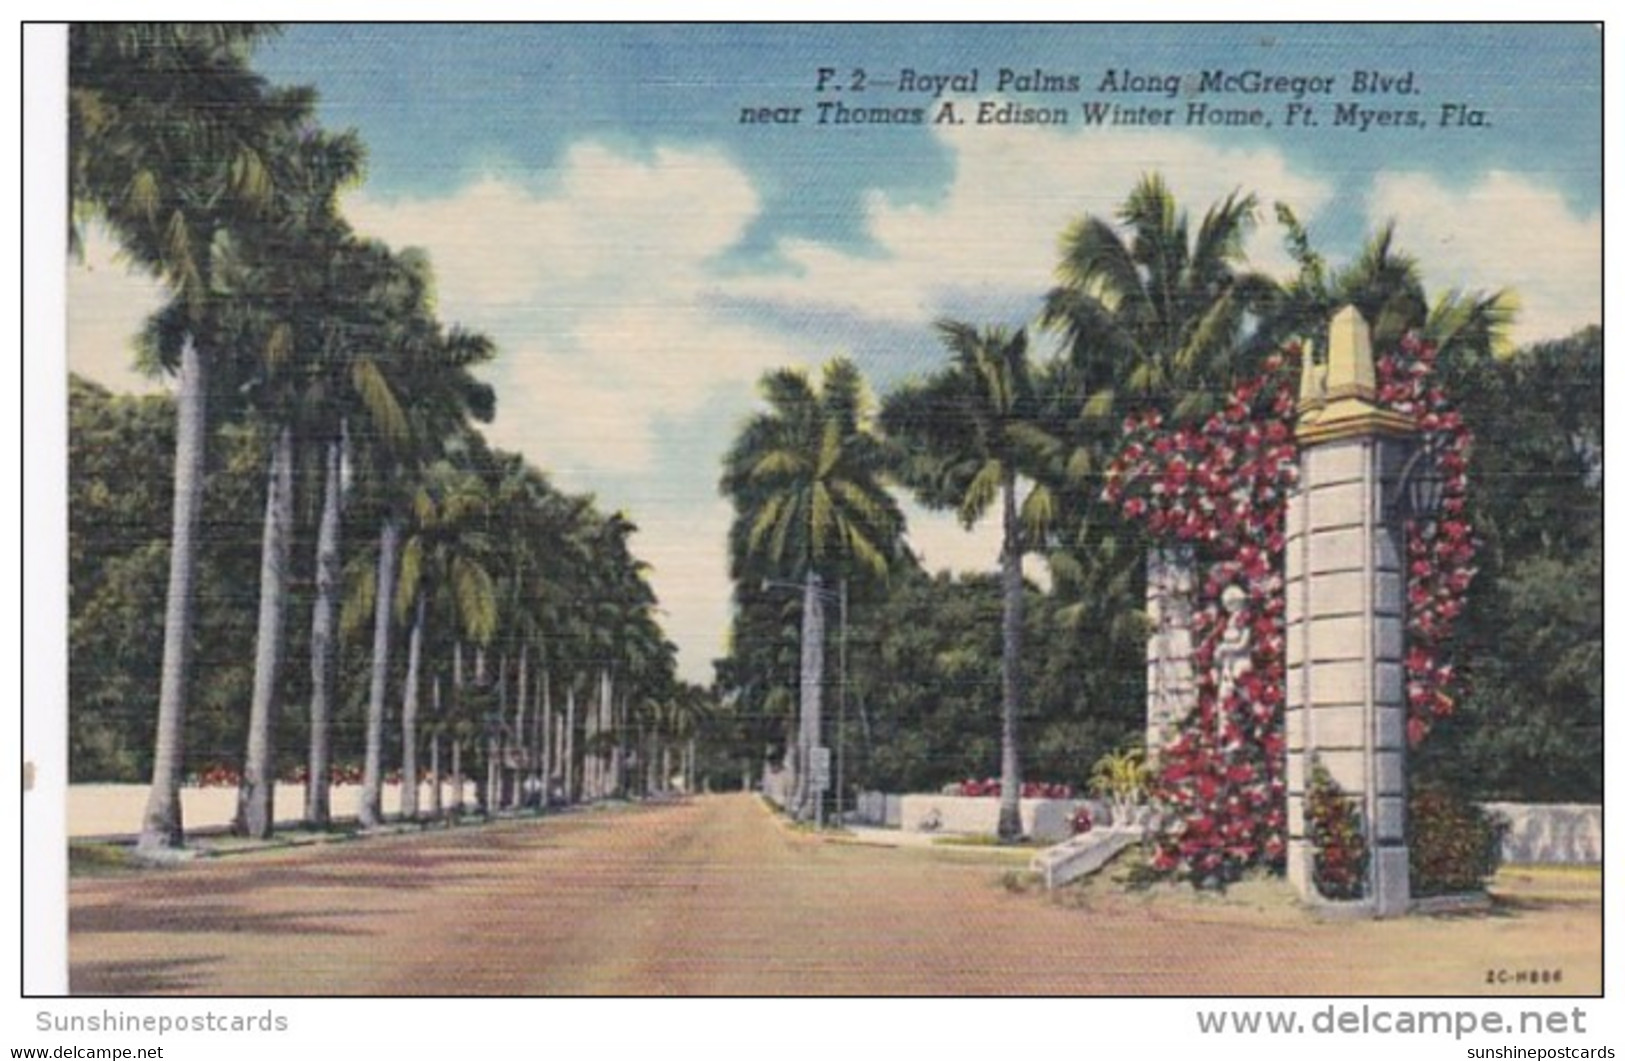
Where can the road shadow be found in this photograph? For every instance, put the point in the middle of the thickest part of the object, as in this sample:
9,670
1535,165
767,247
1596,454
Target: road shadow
152,976
207,919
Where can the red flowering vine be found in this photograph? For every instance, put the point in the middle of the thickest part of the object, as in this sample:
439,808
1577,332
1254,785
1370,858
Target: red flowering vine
1440,553
1222,489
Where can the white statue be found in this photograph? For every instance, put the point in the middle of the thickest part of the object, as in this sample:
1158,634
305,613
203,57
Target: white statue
1234,655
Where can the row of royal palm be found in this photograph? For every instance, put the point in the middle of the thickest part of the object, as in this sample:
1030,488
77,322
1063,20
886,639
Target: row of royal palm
232,204
283,304
354,366
622,639
328,344
523,501
806,478
374,329
573,617
347,336
169,135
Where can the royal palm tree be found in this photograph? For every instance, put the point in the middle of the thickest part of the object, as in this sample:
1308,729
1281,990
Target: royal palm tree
806,480
971,433
1151,315
1385,285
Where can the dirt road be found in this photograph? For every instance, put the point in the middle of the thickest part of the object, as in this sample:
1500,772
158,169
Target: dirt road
715,897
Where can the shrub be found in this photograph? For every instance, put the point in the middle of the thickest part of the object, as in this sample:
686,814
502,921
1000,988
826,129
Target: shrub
1338,836
1122,779
1455,845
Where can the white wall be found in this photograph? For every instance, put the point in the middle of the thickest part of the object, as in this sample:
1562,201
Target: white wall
115,810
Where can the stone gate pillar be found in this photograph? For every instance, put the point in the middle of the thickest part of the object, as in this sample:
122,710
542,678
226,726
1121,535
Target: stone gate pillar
1170,671
1345,686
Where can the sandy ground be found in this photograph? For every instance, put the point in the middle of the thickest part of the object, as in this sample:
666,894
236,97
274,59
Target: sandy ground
715,896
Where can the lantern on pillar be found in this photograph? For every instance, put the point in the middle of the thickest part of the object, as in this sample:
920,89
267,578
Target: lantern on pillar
1418,494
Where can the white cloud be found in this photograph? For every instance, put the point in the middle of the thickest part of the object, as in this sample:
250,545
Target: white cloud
108,303
609,223
1502,232
1014,192
596,291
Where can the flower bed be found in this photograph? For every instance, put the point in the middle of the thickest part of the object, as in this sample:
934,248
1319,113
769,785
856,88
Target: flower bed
993,787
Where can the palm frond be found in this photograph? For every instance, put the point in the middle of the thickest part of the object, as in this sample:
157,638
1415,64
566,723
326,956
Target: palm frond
475,594
378,397
981,492
1038,513
410,577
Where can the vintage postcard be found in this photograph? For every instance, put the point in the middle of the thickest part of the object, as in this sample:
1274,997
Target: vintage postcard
1087,510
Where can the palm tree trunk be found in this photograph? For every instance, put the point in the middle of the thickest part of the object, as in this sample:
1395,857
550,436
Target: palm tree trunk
457,718
812,692
570,742
558,756
493,775
1010,660
496,746
409,716
437,805
546,690
323,645
255,796
161,827
621,727
520,753
456,774
606,728
372,779
589,752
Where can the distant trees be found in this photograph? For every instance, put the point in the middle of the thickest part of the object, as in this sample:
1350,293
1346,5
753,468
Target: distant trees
1530,642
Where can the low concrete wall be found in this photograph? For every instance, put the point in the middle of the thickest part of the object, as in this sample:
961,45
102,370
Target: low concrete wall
878,808
1042,819
1550,833
115,810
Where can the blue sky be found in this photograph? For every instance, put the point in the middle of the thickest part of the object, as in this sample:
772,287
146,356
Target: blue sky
592,201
